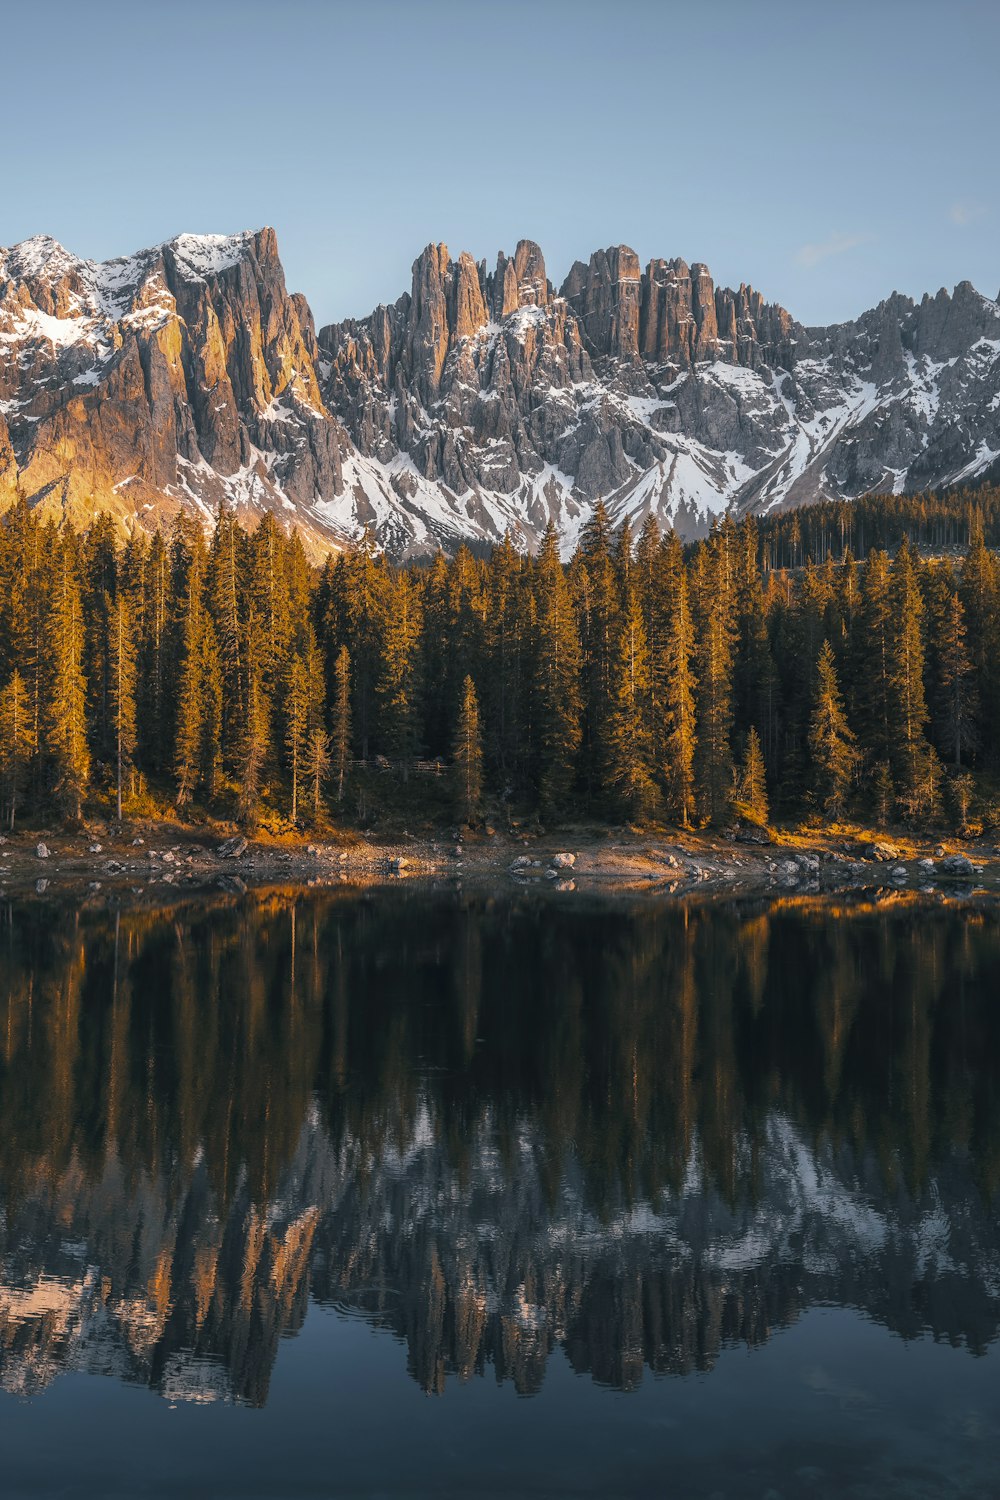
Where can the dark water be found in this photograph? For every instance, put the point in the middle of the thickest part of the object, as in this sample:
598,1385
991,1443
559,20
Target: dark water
308,1194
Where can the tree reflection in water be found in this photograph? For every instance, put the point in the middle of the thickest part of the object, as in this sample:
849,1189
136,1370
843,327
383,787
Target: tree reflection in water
492,1125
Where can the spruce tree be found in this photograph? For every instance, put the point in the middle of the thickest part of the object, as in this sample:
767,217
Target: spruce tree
598,607
65,727
714,712
557,694
468,756
190,707
752,781
399,687
121,689
678,700
916,772
254,749
956,697
297,714
832,750
17,745
340,739
210,747
316,765
628,768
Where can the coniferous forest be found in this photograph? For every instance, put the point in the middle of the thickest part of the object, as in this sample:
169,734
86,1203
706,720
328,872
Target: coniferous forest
838,661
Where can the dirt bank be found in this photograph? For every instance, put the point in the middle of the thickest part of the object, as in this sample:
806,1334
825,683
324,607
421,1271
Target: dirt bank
147,856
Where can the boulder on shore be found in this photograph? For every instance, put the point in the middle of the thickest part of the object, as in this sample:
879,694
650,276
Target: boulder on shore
232,848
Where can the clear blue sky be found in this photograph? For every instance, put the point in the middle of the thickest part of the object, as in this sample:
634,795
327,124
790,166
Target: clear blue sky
828,153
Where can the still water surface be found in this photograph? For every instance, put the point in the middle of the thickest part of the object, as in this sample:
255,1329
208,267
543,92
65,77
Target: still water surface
308,1193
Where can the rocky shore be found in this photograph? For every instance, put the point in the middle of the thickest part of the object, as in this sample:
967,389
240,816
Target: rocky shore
152,857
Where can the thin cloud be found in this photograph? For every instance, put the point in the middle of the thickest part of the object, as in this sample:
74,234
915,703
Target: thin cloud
837,244
966,211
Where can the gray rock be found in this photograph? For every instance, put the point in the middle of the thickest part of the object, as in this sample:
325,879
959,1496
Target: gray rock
956,866
882,850
232,848
42,850
563,861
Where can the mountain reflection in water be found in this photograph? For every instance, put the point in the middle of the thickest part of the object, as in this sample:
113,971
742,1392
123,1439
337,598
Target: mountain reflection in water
492,1126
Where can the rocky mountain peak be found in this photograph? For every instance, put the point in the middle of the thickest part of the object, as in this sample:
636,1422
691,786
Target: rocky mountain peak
479,401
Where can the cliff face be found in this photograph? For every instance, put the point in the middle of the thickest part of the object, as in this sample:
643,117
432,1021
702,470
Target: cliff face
177,377
482,400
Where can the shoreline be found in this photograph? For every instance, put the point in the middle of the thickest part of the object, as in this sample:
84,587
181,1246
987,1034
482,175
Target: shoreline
150,856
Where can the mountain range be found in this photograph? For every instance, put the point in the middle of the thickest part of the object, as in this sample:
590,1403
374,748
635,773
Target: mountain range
481,401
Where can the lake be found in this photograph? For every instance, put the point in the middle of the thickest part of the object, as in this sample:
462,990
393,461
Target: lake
343,1192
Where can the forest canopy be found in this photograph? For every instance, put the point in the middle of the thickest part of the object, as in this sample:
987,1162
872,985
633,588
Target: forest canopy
839,659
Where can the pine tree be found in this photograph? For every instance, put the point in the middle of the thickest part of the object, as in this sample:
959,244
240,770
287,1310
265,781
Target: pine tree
957,706
399,707
210,747
916,771
598,606
871,699
752,781
17,745
832,749
714,706
557,695
152,709
468,756
228,598
341,736
255,740
883,793
297,711
65,729
190,712
316,765
121,689
980,593
628,769
678,700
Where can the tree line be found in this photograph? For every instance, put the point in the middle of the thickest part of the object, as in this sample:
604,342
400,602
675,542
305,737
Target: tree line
643,678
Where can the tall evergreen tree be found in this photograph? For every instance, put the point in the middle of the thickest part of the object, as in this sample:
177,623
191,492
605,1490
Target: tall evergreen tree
915,767
120,656
957,706
714,714
17,745
65,734
832,748
752,781
628,770
341,736
557,695
468,755
297,712
399,687
678,689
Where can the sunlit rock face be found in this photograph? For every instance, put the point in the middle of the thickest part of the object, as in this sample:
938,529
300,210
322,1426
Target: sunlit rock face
501,1134
483,400
176,378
